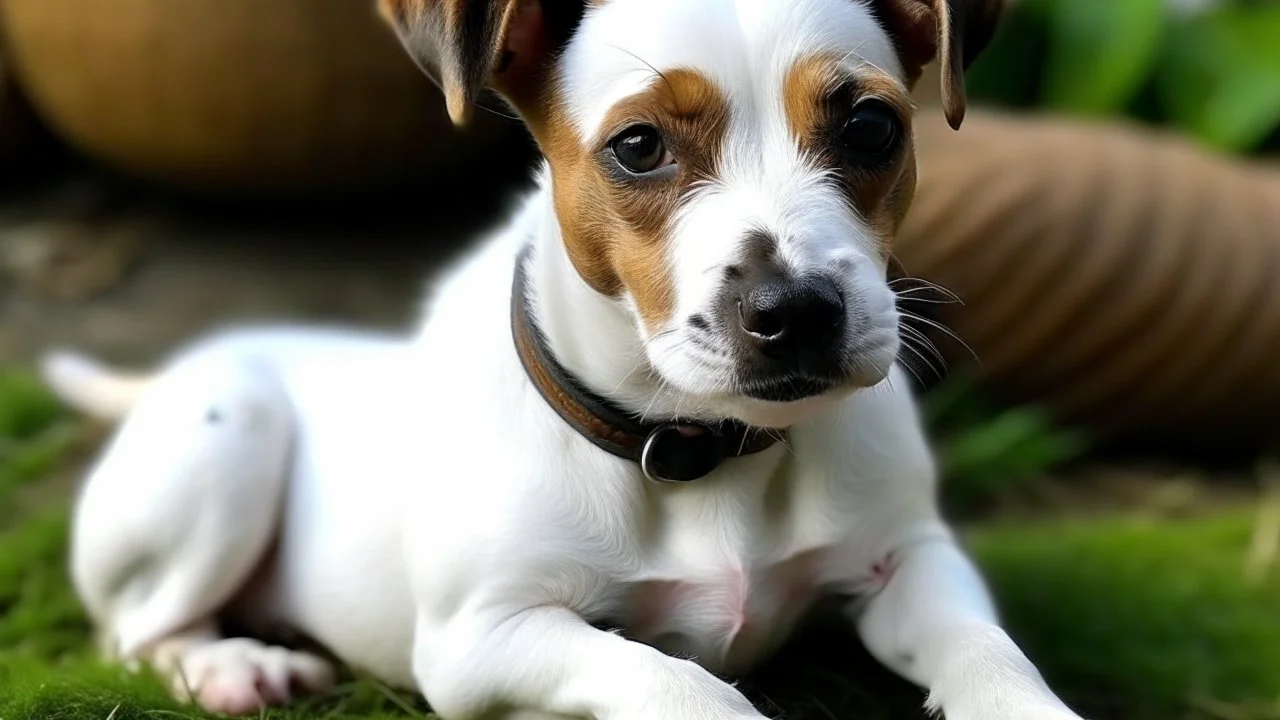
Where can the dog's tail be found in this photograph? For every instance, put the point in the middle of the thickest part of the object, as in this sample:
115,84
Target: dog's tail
90,386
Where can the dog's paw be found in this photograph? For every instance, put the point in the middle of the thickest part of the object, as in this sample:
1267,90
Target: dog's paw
239,676
987,677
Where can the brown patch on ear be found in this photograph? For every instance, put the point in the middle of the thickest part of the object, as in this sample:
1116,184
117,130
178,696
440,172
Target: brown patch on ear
468,46
966,32
953,31
818,97
617,227
395,12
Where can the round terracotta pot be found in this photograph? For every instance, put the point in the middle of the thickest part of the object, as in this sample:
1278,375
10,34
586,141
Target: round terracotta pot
1120,276
236,95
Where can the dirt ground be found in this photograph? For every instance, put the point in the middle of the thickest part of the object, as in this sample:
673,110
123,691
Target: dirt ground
127,273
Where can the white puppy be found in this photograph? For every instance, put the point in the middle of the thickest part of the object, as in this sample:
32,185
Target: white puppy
662,400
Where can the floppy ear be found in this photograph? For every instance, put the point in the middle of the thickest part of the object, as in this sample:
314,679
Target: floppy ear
467,46
952,31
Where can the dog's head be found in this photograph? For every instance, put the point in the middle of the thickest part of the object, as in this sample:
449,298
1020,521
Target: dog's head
732,171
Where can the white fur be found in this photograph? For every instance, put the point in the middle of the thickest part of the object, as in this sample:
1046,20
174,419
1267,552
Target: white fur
416,507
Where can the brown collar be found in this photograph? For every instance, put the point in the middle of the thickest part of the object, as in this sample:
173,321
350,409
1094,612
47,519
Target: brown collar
671,451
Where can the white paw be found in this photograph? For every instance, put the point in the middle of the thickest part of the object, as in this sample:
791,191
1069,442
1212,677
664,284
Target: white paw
239,675
986,677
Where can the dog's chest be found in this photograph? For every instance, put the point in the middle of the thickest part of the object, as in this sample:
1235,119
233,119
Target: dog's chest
725,580
727,617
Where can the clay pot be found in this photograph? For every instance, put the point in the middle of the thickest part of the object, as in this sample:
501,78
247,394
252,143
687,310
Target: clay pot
237,95
1122,277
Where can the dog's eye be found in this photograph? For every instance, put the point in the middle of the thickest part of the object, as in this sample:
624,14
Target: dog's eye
871,133
640,150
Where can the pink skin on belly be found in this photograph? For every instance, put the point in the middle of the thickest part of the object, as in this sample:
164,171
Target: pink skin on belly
737,602
881,573
733,604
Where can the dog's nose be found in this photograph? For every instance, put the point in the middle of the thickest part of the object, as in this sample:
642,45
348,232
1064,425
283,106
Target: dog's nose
787,317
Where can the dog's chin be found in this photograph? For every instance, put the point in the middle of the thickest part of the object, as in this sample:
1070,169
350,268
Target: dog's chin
773,402
782,402
784,390
781,415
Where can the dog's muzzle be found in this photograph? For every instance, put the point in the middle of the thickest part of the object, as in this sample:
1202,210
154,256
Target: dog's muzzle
786,331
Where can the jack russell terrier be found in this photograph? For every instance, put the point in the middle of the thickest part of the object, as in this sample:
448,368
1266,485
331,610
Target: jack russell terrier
641,430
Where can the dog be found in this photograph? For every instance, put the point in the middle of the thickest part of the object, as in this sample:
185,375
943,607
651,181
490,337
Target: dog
642,430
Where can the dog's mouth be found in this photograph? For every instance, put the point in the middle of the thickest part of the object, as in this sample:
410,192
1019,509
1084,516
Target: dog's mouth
786,389
731,374
843,371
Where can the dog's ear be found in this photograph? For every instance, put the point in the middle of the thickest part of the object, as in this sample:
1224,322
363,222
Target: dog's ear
953,32
467,46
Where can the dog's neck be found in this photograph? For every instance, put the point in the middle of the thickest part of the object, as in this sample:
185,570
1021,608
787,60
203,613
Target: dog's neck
594,337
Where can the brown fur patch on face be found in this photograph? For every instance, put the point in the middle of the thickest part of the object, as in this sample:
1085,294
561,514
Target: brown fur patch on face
819,97
616,225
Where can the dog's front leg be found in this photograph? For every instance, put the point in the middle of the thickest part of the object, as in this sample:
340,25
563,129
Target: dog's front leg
933,622
548,662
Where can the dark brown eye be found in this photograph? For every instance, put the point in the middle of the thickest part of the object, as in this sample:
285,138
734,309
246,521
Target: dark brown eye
871,134
640,149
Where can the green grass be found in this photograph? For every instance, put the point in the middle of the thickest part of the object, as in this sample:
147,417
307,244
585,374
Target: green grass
987,450
1134,619
35,435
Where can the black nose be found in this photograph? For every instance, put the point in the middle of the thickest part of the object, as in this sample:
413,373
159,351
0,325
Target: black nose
788,317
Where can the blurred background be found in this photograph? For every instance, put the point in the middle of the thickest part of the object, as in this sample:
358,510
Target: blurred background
1089,270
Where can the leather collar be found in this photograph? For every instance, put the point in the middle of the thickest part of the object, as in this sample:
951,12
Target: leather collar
671,451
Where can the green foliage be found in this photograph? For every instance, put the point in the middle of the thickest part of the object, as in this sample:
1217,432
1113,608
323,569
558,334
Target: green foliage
1220,79
986,449
1214,75
1100,52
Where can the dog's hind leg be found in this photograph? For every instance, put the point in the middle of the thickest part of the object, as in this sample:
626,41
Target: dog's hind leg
180,510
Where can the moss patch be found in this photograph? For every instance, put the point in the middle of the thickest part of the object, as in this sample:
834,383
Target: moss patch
1144,618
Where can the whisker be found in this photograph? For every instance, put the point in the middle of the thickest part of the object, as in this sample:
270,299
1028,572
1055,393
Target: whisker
915,372
662,386
638,364
911,370
913,334
946,330
908,296
641,360
922,285
782,440
671,88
